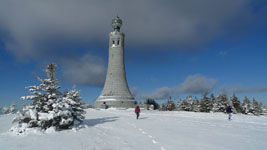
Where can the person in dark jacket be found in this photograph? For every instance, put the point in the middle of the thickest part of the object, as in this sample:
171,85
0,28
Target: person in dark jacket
137,111
229,112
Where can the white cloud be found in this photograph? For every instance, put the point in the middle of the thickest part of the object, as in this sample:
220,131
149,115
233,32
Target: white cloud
159,93
193,84
34,28
197,84
242,89
86,70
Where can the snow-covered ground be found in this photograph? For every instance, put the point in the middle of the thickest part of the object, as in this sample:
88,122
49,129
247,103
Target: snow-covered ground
119,130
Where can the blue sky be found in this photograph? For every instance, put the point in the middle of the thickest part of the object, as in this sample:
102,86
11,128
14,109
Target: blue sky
173,48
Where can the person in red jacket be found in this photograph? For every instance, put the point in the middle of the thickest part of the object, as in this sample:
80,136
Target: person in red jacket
137,111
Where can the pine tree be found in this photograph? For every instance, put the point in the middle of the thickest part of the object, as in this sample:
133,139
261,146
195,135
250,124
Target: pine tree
163,107
195,105
48,109
45,109
13,109
152,102
205,104
256,107
187,103
264,110
5,110
170,105
180,105
72,102
221,103
261,106
212,99
246,106
236,104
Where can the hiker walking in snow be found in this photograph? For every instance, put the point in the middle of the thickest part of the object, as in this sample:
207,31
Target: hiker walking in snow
137,111
229,111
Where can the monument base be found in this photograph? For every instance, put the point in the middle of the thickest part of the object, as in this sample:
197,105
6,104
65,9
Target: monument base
105,102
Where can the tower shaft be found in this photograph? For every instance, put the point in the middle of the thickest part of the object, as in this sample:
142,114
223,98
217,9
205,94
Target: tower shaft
116,92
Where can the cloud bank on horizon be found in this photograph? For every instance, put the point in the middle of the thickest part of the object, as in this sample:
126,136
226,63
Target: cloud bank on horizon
193,84
198,84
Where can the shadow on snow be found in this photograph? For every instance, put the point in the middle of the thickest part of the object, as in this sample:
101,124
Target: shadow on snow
93,122
143,118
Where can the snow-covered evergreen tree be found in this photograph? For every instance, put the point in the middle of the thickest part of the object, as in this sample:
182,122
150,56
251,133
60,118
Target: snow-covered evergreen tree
48,110
163,107
246,106
205,104
256,108
212,98
148,102
195,105
5,110
72,102
221,103
237,108
187,103
169,105
180,105
13,109
261,106
264,110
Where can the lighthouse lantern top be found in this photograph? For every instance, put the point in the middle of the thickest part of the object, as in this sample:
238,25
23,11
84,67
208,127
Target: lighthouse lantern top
117,23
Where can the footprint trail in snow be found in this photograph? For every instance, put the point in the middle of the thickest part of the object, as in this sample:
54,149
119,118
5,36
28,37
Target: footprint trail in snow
149,136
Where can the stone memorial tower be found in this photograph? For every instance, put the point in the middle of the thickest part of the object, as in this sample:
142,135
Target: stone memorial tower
116,93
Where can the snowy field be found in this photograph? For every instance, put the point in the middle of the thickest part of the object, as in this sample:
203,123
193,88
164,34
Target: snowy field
119,130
